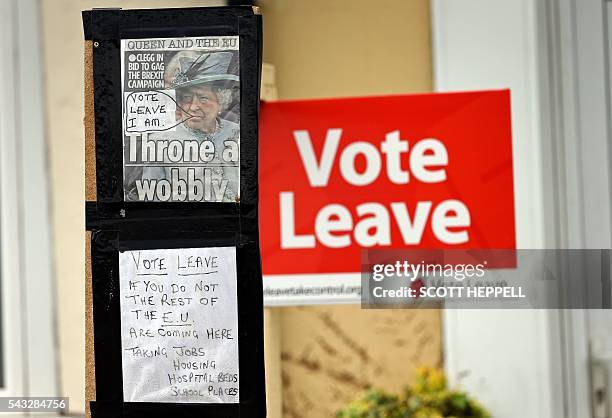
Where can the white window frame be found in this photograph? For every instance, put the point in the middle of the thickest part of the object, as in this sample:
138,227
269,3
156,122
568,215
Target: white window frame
28,324
10,289
553,55
509,358
580,45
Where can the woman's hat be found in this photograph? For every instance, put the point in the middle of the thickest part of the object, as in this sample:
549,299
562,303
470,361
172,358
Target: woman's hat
191,68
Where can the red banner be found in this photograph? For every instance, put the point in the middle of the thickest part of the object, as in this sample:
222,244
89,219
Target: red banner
417,171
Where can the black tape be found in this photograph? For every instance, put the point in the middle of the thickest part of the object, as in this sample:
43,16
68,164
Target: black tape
106,27
118,226
105,247
240,2
100,409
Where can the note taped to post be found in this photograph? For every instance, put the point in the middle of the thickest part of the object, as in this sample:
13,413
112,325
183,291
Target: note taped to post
179,325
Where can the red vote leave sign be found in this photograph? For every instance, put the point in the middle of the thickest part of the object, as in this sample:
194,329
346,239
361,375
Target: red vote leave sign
414,171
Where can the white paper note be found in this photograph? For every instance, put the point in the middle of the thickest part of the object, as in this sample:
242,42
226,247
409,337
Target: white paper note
179,325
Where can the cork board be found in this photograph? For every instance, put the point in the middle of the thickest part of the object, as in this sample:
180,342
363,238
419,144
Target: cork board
331,354
90,381
90,195
89,121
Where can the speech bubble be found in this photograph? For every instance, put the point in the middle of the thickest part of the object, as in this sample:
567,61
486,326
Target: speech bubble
150,111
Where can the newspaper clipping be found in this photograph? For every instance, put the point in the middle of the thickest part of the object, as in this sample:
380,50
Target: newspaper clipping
181,119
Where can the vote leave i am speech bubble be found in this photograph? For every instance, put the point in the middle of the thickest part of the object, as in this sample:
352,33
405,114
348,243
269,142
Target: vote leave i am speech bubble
150,111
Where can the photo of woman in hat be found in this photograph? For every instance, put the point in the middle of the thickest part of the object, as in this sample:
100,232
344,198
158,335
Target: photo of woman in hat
206,86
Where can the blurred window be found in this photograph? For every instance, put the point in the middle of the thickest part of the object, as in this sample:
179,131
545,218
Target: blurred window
1,340
27,346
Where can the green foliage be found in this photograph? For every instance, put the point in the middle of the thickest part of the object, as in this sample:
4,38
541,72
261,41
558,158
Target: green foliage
427,397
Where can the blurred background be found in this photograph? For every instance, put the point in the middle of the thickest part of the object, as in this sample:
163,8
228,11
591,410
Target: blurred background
554,55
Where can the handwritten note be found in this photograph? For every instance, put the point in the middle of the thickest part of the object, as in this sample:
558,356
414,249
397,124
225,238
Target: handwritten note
179,325
150,111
